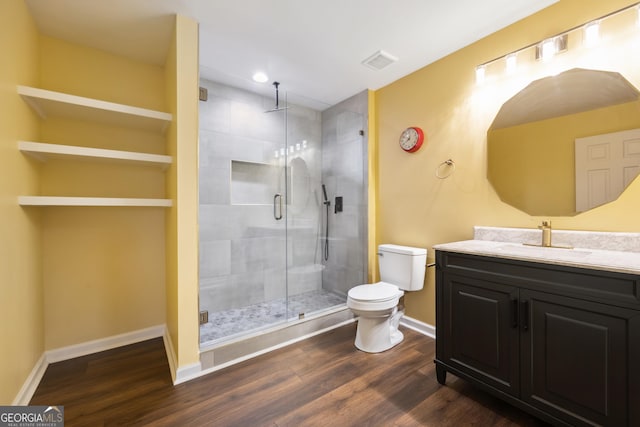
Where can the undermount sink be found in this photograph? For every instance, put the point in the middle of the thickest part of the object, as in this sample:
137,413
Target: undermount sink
542,251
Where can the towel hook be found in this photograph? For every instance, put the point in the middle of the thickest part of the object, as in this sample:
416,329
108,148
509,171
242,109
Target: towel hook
448,162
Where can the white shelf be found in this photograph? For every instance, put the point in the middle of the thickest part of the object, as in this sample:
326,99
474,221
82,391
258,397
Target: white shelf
91,201
56,104
42,151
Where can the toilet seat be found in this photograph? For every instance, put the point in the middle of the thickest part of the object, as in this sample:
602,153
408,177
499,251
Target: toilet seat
379,296
378,292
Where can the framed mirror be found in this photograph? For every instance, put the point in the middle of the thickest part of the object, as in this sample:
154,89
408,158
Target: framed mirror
531,152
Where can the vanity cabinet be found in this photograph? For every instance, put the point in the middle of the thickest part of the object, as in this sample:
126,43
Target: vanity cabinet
562,343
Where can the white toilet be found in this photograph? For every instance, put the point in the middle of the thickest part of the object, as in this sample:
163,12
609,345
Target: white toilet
401,269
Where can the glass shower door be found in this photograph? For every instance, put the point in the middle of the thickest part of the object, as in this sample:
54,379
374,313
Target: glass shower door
307,212
242,218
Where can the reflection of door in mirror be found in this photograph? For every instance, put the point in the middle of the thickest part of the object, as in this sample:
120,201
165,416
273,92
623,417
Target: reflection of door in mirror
605,166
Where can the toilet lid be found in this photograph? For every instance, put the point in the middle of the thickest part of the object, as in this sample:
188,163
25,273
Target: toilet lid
378,292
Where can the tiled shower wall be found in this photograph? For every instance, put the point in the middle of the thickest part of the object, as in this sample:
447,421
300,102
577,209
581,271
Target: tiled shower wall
242,247
344,171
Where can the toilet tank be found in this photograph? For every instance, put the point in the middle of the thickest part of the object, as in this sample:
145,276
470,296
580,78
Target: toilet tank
402,266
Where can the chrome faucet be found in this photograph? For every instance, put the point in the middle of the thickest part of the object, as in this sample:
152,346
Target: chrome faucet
546,233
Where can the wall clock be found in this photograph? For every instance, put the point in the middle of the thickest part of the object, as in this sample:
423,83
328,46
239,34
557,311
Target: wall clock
411,139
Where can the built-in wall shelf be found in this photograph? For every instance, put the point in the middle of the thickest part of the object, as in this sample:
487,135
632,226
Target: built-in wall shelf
56,104
42,152
91,201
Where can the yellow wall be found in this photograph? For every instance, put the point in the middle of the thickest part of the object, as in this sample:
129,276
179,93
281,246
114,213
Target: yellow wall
103,268
539,157
171,221
417,209
21,295
72,275
181,79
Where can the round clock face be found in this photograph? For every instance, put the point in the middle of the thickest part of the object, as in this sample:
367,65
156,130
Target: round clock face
411,139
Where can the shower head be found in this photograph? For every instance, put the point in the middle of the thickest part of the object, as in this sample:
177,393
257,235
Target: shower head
273,110
278,108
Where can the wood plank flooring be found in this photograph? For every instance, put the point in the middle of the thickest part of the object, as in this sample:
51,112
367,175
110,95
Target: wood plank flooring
322,381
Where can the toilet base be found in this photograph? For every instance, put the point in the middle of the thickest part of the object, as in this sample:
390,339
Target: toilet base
380,333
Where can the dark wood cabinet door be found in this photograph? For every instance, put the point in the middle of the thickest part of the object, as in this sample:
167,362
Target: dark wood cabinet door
574,358
481,326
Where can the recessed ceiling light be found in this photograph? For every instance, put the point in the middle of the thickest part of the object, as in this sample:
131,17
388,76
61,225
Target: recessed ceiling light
260,77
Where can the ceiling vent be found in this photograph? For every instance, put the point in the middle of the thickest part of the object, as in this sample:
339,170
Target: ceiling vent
379,60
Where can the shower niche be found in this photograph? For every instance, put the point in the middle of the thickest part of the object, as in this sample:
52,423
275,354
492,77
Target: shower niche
256,183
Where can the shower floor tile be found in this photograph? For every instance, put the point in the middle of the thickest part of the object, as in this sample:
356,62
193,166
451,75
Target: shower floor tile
228,323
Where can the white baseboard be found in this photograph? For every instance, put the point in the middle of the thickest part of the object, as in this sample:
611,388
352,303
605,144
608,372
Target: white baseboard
418,326
188,372
65,353
183,373
31,384
102,344
171,354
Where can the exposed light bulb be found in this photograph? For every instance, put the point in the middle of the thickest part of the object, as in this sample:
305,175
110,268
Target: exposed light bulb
512,62
591,33
480,74
548,49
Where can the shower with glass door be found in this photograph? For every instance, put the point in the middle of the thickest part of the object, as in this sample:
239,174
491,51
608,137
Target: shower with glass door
264,162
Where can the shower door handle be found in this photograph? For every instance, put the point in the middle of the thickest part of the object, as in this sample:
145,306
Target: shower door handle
277,206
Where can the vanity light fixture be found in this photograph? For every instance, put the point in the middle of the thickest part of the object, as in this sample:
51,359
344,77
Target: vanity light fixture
546,49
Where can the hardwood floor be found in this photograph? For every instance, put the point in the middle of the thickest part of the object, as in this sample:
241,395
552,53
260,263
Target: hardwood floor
322,381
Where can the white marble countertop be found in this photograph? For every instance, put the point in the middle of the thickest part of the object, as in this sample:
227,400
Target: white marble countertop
599,259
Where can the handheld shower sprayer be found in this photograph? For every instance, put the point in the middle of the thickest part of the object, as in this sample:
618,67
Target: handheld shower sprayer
324,191
327,203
